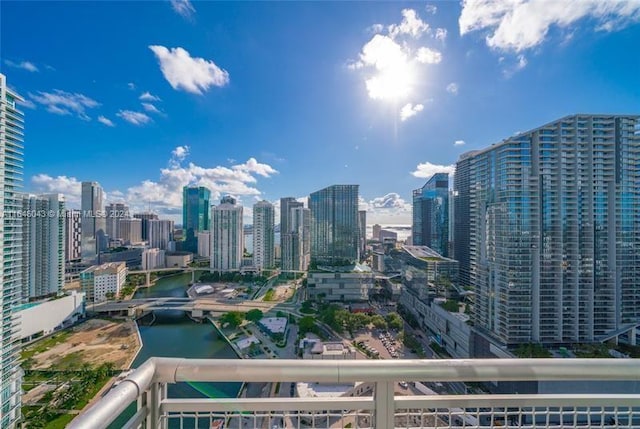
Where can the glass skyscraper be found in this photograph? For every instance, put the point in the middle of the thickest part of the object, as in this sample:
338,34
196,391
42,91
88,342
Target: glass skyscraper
11,164
195,214
554,231
263,235
334,225
431,214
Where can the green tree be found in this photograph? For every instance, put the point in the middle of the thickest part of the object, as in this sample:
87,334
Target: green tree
394,321
307,324
232,318
254,315
378,321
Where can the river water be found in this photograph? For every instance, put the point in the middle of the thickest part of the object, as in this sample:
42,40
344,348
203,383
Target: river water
174,334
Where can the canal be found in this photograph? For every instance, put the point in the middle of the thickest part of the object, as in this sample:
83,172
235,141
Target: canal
174,334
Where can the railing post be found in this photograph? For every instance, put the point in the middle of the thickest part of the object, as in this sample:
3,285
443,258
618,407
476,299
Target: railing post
153,404
385,408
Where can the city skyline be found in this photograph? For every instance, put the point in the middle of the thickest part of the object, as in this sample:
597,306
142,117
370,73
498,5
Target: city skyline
193,132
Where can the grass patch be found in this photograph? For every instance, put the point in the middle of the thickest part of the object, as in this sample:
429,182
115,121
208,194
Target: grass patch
270,295
60,422
69,362
44,344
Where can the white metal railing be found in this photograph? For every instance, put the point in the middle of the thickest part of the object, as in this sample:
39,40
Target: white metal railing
148,386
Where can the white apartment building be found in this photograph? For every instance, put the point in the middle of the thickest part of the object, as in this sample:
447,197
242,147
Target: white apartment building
153,258
99,281
227,236
204,244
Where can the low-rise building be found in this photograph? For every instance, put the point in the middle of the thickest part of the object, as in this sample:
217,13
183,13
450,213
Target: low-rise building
178,259
317,350
101,281
353,283
43,318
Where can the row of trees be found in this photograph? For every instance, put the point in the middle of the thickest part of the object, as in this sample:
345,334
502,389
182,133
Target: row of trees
217,276
340,319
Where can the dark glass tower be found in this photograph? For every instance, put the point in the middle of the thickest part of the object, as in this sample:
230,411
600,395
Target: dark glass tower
431,214
195,214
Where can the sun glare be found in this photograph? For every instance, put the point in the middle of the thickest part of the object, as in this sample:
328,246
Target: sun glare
392,83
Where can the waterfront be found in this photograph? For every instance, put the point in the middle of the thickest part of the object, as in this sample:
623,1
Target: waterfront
173,334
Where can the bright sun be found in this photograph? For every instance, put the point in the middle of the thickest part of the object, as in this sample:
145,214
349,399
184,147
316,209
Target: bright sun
393,83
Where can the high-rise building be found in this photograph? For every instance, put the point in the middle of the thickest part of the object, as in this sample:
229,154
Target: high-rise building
287,254
195,214
43,245
300,232
227,236
204,244
431,214
114,213
362,229
376,232
73,235
334,225
160,233
461,221
263,235
11,164
554,217
130,230
153,258
145,218
94,238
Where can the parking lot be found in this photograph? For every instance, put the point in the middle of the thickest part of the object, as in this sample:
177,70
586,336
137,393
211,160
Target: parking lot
385,344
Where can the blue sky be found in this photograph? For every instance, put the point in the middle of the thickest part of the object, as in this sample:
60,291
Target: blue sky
264,100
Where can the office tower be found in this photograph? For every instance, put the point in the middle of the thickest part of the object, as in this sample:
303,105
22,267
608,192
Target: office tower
114,212
195,214
286,239
130,230
73,235
300,233
227,236
160,233
94,238
101,282
555,231
263,235
204,244
11,163
431,214
362,229
334,225
461,221
145,218
376,232
43,245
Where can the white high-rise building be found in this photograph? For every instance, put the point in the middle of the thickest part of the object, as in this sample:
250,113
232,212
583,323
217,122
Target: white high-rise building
152,259
204,244
263,235
300,239
227,236
93,220
73,236
43,245
130,230
160,233
11,163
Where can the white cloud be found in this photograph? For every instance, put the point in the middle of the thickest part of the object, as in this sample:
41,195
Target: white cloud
428,56
179,154
65,103
431,8
441,34
388,209
409,110
190,74
388,201
376,28
131,86
453,88
69,186
459,143
411,25
27,103
514,68
427,169
147,96
183,8
151,108
106,121
25,65
518,25
135,118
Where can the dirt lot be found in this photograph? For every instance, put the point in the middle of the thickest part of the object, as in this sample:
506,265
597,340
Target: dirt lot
94,342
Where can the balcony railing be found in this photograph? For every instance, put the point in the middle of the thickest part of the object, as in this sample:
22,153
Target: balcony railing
147,386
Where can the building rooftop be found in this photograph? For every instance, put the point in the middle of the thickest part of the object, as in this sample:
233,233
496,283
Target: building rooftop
424,253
